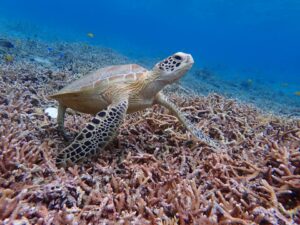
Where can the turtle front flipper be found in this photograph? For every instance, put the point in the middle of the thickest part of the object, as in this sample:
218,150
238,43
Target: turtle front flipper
196,132
95,135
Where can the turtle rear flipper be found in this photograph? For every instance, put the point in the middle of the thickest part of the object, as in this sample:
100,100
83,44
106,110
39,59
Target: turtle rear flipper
95,135
60,123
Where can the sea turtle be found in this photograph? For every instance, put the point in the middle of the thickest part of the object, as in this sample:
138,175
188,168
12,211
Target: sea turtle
111,92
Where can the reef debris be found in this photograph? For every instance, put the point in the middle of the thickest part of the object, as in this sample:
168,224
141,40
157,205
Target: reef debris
52,112
153,172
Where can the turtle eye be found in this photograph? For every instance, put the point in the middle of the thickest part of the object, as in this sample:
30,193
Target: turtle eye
177,57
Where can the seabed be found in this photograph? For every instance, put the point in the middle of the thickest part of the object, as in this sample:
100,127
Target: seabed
153,172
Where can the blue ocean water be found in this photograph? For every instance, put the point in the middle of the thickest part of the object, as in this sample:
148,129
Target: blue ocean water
252,40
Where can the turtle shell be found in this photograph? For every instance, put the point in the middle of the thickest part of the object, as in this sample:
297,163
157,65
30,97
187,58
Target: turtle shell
106,75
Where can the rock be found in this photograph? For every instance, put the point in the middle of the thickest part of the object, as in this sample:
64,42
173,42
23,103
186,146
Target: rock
6,44
52,112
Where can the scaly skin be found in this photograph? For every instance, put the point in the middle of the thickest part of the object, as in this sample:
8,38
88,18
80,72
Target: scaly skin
196,132
95,135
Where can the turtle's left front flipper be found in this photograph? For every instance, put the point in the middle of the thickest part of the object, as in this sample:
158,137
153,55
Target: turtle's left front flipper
95,135
196,132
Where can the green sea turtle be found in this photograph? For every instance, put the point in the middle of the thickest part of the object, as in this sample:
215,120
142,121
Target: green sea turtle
111,92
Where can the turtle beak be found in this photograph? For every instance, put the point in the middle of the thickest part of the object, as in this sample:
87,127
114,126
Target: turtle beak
186,58
189,59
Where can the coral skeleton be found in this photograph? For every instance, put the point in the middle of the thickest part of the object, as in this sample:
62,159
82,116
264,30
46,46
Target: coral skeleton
153,172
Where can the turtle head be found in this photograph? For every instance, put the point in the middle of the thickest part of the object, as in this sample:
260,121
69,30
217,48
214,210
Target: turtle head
173,68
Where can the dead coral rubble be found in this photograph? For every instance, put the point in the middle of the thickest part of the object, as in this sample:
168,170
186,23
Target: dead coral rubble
153,172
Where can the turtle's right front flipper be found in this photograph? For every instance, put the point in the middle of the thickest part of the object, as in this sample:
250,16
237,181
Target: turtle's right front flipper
95,136
196,132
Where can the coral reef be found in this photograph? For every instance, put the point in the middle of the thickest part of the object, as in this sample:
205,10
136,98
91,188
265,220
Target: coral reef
153,172
279,100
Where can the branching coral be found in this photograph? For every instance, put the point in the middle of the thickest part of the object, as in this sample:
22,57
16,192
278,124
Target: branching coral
153,172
